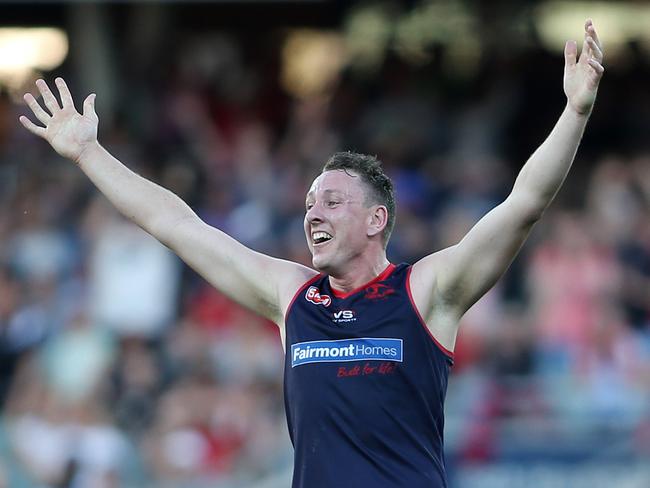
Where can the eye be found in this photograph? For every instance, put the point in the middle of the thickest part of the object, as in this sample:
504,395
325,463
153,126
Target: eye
309,205
332,203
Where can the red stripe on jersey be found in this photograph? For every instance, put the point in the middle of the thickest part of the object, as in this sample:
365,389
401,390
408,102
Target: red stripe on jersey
300,290
446,351
380,277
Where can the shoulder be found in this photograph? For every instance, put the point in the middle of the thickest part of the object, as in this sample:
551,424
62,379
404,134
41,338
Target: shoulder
292,284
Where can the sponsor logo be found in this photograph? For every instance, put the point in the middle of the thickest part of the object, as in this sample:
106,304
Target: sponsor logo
344,316
367,348
313,295
378,291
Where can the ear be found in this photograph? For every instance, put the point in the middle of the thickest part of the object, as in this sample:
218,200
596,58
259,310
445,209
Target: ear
377,220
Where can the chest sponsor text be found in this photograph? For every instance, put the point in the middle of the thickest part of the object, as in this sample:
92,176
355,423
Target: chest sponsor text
361,349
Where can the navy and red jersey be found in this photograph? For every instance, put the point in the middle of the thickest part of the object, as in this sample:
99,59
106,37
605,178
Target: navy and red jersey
365,384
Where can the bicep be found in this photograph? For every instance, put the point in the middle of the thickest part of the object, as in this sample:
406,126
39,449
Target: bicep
463,273
259,282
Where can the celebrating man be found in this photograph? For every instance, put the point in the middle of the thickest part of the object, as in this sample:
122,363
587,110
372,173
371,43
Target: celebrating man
368,344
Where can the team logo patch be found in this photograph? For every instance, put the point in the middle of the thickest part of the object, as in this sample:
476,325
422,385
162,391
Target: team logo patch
362,349
377,291
313,295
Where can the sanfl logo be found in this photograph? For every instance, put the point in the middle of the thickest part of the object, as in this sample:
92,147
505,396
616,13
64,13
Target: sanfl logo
313,295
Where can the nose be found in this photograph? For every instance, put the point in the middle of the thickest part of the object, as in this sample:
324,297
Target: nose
314,215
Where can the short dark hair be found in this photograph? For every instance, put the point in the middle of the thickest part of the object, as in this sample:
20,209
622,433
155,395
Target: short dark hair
379,186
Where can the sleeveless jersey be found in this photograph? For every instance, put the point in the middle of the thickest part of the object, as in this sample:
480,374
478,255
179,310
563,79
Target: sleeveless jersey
364,387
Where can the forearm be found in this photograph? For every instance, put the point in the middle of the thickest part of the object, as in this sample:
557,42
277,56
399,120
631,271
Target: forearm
543,174
147,204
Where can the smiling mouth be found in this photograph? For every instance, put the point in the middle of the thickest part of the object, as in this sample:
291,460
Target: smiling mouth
320,237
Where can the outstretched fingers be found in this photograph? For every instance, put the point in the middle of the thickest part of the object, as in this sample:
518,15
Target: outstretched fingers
592,47
48,96
585,51
89,107
596,66
570,53
595,51
591,30
64,92
32,127
41,114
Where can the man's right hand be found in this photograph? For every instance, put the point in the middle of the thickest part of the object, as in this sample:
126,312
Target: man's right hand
67,131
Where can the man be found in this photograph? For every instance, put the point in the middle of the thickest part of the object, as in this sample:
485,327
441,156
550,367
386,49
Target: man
368,344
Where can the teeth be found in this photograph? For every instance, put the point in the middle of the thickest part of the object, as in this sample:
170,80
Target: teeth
321,236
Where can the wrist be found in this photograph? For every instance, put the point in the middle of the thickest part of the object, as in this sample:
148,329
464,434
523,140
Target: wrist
579,113
87,152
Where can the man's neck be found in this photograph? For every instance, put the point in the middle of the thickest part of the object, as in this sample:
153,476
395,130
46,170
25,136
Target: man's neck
358,274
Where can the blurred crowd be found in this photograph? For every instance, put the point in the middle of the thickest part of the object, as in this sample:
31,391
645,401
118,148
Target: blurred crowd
121,367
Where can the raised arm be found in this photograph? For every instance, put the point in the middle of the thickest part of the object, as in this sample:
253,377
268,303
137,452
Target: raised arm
259,282
445,284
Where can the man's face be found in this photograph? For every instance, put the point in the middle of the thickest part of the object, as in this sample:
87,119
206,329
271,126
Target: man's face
336,220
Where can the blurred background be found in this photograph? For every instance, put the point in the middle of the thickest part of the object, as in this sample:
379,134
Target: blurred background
119,367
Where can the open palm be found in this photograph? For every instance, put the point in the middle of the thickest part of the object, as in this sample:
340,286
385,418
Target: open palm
582,75
67,131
